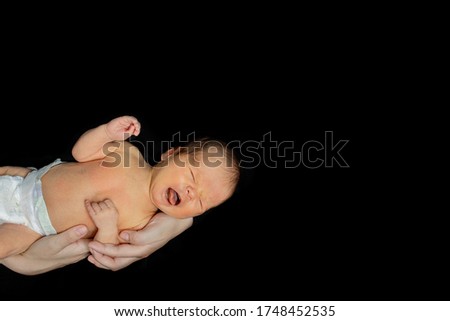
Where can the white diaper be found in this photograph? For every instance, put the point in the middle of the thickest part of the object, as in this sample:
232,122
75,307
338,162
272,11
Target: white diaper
21,201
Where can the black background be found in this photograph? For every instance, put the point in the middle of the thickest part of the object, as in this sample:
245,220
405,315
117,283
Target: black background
358,233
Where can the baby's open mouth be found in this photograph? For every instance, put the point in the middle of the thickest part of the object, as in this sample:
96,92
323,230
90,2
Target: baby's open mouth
172,197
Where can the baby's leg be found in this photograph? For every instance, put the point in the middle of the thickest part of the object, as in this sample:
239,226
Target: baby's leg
15,239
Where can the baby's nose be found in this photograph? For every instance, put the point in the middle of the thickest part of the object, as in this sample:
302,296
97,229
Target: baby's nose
191,193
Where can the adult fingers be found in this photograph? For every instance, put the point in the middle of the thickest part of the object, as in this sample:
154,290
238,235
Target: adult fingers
73,259
66,238
75,249
122,250
160,228
108,263
93,260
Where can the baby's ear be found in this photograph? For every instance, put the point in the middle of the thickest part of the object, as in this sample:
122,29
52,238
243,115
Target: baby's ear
169,152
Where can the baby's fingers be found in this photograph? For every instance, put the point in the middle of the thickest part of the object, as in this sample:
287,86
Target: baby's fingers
109,203
89,207
134,129
137,128
92,208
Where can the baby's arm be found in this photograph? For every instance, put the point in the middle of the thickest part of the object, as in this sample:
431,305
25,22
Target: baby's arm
14,171
105,217
91,145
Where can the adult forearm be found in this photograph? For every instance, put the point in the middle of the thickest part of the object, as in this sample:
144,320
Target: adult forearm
22,265
50,252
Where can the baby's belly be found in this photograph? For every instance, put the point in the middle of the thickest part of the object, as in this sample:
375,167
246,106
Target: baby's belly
65,212
66,187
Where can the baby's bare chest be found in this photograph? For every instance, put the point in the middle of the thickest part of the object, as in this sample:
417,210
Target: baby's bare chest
67,187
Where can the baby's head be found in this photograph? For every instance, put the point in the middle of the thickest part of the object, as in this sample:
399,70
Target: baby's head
192,179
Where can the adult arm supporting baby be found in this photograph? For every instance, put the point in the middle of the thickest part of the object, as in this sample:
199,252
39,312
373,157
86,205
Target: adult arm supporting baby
51,252
56,251
160,230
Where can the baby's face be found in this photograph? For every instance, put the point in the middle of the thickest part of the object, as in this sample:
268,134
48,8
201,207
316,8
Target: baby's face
187,187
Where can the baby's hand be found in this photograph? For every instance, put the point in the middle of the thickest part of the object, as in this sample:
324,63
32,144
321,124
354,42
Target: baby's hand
104,214
121,128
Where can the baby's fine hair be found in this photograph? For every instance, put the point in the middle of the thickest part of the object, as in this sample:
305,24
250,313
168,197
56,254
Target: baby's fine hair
207,147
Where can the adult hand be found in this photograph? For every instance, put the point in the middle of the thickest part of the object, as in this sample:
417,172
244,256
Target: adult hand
51,252
160,230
